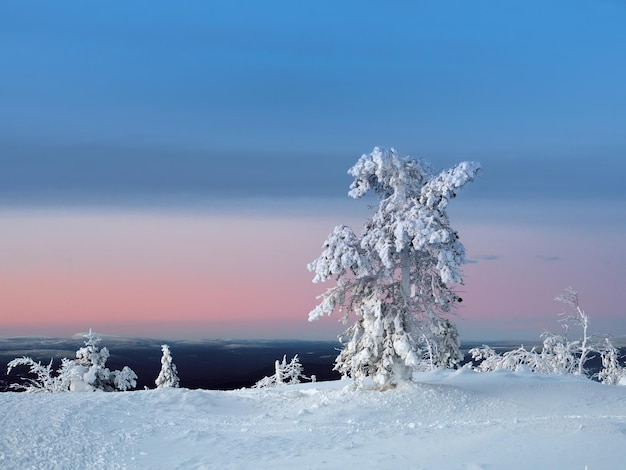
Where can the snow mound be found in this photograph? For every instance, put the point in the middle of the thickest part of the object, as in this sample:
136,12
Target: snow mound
446,419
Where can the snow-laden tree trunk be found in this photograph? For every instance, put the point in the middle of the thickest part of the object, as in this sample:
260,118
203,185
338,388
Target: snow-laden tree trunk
278,370
398,276
405,279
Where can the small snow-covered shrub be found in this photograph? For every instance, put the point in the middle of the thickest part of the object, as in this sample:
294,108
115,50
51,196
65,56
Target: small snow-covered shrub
553,359
489,360
168,377
285,374
88,372
612,373
124,379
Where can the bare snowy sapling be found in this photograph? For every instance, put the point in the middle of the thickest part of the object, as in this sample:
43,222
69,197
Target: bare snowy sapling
398,276
168,377
576,316
284,374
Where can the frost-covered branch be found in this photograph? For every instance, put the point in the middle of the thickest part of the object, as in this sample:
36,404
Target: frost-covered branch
44,380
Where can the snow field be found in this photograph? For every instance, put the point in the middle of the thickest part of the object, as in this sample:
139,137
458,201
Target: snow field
447,419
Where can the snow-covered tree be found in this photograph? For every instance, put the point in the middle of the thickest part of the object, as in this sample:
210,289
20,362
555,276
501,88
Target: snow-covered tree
285,373
168,377
398,276
88,372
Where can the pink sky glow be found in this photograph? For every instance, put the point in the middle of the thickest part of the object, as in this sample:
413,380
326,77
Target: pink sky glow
210,276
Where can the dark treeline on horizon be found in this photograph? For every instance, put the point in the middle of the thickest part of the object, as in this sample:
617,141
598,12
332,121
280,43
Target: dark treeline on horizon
210,365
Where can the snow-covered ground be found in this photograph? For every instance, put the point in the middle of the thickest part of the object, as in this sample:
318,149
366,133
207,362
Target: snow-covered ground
446,420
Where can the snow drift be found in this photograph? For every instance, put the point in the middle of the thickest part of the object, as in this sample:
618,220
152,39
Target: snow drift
446,419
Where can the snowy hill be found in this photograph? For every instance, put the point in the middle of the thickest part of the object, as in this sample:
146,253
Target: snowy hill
446,420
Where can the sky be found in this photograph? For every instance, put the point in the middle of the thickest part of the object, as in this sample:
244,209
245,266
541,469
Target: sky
169,170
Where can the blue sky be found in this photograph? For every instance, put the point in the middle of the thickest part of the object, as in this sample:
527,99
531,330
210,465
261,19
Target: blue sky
295,92
258,105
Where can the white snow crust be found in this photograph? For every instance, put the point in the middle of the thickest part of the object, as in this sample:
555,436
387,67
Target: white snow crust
445,420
